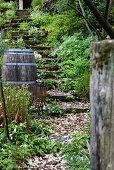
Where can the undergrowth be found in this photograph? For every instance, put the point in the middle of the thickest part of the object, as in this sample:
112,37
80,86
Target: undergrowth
24,143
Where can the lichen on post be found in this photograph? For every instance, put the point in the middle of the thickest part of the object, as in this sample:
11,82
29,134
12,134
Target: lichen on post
102,105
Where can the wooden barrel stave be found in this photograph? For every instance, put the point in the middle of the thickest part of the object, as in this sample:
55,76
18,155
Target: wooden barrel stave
19,66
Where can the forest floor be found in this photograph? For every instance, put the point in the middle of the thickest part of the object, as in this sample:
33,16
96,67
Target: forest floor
63,128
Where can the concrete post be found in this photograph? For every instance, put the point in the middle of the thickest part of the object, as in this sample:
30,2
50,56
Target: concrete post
102,105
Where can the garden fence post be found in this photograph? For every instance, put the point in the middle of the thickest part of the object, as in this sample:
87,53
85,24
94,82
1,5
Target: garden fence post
5,113
102,105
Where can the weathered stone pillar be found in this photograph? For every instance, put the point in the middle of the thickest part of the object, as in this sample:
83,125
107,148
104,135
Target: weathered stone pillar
102,105
20,4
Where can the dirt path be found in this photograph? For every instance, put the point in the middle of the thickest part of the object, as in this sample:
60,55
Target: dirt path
65,125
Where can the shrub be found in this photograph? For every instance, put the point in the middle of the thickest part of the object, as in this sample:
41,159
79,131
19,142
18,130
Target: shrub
23,144
24,26
20,43
5,5
53,110
10,14
76,153
42,18
82,85
74,54
36,3
17,101
62,24
1,21
8,5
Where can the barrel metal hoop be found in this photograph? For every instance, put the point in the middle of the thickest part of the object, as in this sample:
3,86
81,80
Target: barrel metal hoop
20,54
18,82
13,49
19,64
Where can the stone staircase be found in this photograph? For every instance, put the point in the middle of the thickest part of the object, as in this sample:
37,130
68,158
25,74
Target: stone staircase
47,66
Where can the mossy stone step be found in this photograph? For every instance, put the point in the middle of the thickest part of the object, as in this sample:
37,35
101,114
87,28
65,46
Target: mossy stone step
46,60
48,67
59,95
40,47
43,52
18,20
21,12
18,32
74,107
47,74
10,25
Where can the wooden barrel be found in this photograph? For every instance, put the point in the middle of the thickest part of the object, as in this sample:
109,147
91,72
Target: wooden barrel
19,66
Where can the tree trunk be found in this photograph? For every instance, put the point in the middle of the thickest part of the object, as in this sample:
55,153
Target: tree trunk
102,21
20,4
102,105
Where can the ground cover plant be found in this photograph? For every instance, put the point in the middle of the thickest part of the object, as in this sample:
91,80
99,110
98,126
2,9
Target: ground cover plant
17,102
76,153
74,54
24,143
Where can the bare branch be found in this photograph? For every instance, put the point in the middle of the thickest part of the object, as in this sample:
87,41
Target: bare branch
86,23
99,35
102,21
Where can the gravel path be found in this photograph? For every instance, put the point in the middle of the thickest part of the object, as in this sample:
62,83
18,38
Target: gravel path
65,125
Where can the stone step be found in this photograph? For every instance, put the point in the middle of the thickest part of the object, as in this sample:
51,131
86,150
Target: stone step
47,67
44,74
18,20
25,12
39,47
61,96
18,33
73,107
11,25
46,60
44,53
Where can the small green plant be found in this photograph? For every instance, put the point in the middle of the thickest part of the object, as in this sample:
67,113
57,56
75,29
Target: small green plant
36,3
20,43
10,14
24,26
39,128
24,143
53,110
51,84
6,5
1,21
42,18
17,102
76,153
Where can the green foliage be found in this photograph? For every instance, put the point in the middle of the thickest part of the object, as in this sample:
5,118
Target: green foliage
51,84
36,3
17,102
10,14
53,110
73,47
74,54
39,128
1,21
42,18
82,85
20,43
62,24
22,145
24,26
2,43
6,5
76,153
